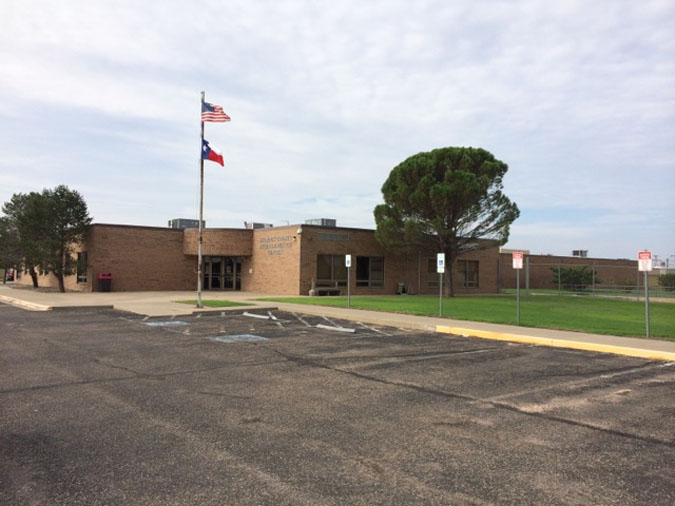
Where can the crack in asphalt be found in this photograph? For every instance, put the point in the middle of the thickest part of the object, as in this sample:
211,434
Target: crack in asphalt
139,375
465,397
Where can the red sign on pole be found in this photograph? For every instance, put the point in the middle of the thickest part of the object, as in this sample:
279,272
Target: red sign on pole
644,261
517,259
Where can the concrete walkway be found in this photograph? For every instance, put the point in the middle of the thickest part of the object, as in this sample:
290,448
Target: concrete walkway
163,304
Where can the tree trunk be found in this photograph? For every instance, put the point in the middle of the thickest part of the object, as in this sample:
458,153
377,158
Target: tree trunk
449,278
62,287
33,276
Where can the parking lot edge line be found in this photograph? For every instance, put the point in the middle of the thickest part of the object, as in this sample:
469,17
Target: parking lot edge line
560,343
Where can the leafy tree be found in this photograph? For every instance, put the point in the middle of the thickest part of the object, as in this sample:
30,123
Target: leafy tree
49,224
574,278
445,200
667,281
67,226
29,214
10,250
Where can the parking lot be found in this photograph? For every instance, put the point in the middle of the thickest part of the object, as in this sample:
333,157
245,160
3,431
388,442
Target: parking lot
107,407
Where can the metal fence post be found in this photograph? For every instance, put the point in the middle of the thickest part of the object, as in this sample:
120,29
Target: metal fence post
517,296
647,302
558,278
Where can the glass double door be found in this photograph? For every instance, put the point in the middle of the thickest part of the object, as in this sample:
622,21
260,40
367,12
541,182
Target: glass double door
222,273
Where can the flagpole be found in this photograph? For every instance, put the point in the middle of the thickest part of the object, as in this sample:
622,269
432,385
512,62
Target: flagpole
201,212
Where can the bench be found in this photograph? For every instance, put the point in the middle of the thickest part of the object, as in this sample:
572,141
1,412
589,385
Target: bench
320,288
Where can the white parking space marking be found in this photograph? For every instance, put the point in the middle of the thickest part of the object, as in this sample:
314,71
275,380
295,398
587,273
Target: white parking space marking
374,329
338,329
253,315
301,319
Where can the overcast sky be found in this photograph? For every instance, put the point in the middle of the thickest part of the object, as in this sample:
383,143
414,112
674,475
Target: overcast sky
577,97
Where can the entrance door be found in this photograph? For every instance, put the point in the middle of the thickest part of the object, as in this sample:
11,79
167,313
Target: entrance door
215,271
232,275
222,273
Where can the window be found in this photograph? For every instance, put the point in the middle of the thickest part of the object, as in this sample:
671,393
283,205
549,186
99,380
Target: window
369,271
331,269
467,273
82,267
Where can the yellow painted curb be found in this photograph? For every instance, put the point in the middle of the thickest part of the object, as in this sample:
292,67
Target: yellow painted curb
561,343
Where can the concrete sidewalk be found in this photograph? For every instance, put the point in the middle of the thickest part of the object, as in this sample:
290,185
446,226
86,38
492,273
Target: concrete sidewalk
163,304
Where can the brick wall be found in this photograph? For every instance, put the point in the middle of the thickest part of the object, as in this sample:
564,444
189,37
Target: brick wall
230,242
488,271
140,258
274,265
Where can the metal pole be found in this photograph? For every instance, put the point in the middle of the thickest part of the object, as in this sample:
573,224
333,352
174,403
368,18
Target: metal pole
348,287
647,302
440,294
518,296
593,284
201,215
558,278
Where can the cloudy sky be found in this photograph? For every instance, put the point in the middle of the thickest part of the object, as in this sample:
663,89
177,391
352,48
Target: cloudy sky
326,98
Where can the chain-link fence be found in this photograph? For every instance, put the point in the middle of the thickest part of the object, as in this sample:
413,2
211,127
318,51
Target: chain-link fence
565,276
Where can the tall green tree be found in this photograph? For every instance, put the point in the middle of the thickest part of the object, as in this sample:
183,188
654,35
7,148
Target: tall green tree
445,200
10,249
29,215
49,224
67,227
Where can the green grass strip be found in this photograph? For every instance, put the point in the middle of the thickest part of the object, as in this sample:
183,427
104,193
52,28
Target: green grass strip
214,303
584,314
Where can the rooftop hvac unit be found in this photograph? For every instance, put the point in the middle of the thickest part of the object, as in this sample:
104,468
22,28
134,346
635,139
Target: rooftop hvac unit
580,253
250,225
324,222
181,223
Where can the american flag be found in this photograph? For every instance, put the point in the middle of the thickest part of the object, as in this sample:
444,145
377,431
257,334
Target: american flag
215,113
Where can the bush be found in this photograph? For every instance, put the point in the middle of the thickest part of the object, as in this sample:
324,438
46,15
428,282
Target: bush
667,281
574,278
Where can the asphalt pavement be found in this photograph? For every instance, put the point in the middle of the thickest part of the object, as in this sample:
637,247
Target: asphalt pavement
99,406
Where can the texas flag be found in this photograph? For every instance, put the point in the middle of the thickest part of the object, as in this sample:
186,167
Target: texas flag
209,153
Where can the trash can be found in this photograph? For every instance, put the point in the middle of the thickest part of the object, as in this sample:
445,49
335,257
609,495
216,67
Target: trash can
104,282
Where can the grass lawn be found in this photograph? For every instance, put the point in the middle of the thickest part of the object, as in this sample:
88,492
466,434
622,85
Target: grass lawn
595,315
213,303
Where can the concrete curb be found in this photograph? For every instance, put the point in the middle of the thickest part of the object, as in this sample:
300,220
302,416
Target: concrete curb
23,304
68,308
560,343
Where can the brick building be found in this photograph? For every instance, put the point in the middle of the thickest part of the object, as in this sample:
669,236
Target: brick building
288,260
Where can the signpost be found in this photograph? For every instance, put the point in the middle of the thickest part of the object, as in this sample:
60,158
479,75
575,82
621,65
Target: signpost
517,265
440,268
645,265
348,264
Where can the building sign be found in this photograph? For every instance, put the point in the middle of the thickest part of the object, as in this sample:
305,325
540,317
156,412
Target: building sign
517,259
275,245
644,261
440,262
